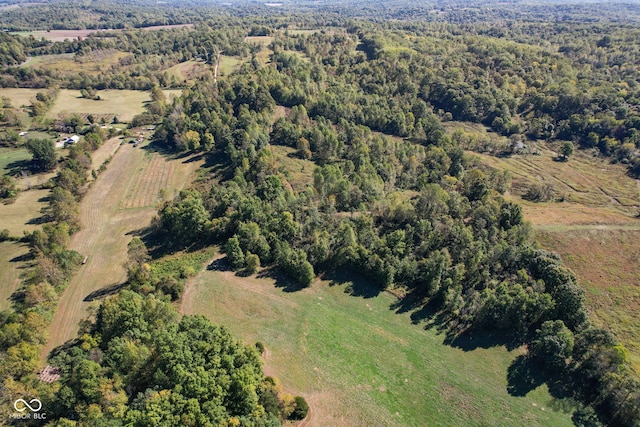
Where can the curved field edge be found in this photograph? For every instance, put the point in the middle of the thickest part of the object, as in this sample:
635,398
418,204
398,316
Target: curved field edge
358,363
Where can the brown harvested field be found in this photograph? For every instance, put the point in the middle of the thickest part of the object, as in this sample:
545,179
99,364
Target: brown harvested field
19,216
62,35
104,237
10,270
606,262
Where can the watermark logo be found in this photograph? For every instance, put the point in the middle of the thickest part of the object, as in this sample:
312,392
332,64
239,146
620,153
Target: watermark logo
28,410
21,405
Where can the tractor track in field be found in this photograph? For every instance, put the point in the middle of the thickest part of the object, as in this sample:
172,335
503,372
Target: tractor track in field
106,231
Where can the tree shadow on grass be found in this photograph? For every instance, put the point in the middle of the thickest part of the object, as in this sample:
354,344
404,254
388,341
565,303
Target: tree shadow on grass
523,376
220,264
104,292
280,280
355,284
474,339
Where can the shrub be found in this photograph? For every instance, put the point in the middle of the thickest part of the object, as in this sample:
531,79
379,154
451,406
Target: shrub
302,409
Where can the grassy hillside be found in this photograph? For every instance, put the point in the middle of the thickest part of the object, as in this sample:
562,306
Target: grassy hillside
359,363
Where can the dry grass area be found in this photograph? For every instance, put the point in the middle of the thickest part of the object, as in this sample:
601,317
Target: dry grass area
106,150
299,172
106,231
62,35
595,230
19,97
21,215
68,64
121,103
583,180
607,264
186,71
10,270
145,185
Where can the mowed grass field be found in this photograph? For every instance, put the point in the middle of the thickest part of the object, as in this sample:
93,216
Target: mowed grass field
22,215
358,363
8,156
10,270
107,228
122,103
19,97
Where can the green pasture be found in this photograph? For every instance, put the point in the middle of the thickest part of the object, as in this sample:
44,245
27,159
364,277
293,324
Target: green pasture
359,363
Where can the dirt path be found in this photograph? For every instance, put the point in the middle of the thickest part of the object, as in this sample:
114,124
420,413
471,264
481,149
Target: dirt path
104,236
215,73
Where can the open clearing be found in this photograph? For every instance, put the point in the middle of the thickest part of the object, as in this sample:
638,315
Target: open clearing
358,363
10,270
106,231
228,64
121,103
19,97
69,64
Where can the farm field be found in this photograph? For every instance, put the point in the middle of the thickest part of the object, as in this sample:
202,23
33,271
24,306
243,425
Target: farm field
62,35
121,103
106,231
358,363
19,97
22,215
10,270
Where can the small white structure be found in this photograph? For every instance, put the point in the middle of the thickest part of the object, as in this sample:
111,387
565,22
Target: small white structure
72,140
23,133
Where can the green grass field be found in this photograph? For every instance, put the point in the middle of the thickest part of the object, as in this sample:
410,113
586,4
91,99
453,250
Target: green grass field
18,216
9,156
9,270
228,64
358,363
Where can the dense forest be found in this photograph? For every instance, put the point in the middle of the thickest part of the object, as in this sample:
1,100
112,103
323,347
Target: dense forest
390,194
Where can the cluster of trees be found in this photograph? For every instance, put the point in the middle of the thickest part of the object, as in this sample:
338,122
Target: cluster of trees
142,364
